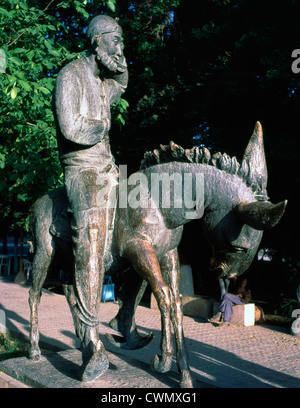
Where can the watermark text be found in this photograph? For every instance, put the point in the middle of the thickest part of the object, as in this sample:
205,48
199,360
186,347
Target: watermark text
296,323
177,190
296,63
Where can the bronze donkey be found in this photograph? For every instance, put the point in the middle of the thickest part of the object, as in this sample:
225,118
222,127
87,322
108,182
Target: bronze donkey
234,211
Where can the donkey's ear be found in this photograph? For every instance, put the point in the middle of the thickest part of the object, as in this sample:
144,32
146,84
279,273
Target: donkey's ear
261,215
254,159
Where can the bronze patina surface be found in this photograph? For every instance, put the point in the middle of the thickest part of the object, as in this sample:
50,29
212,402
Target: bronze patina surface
234,211
85,89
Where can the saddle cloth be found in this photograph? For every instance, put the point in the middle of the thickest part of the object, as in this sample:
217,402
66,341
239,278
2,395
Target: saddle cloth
61,215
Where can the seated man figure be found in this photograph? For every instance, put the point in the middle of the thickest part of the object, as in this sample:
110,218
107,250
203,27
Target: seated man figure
241,295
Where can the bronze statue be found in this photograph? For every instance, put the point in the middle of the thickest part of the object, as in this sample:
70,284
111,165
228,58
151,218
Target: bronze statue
235,212
85,89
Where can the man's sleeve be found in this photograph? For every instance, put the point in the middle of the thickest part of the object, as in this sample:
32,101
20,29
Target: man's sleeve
73,125
116,86
113,90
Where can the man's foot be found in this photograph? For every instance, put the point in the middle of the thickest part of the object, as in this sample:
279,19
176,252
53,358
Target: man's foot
94,358
95,365
216,318
224,324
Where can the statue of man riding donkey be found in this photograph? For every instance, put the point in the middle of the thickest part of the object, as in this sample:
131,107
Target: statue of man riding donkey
99,235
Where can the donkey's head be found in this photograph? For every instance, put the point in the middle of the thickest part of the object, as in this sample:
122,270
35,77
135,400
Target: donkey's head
235,227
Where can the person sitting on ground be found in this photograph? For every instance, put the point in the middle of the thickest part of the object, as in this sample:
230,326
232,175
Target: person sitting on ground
241,295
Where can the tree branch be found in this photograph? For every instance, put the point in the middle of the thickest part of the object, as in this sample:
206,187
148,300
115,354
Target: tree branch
9,44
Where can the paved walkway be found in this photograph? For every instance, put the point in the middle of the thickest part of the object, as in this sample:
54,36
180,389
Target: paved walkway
230,357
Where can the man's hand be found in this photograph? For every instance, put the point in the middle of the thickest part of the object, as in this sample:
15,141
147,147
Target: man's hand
121,64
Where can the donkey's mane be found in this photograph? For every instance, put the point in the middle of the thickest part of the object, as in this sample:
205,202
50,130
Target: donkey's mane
201,155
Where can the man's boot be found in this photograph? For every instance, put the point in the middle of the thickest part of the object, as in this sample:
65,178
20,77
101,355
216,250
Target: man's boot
94,358
217,318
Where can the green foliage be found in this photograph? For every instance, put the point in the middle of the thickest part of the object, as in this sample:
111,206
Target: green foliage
10,347
37,40
118,111
286,307
28,156
111,4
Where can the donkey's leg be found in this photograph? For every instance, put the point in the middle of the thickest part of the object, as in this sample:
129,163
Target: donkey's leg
40,266
171,272
133,288
71,299
143,258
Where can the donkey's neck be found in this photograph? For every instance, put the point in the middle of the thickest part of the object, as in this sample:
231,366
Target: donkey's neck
201,188
220,188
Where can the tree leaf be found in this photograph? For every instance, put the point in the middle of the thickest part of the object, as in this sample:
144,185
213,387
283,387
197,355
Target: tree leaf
25,85
124,103
15,60
111,4
19,50
44,90
2,161
22,197
55,53
14,93
42,110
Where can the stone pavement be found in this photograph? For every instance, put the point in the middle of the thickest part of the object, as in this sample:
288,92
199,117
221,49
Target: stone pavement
230,357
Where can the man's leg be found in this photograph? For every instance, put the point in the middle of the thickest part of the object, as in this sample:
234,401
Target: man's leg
226,306
89,242
89,225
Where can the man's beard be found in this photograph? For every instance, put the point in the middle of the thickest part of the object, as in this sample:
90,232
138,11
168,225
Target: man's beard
106,60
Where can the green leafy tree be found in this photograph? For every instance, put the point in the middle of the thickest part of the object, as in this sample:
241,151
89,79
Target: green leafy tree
37,39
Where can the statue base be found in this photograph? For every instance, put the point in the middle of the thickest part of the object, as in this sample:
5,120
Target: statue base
60,370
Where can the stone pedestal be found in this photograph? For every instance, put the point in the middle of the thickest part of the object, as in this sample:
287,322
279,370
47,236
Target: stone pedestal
194,306
61,370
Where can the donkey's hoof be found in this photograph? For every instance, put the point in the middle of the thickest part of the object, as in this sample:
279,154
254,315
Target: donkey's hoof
187,380
114,324
118,341
34,355
161,364
134,343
